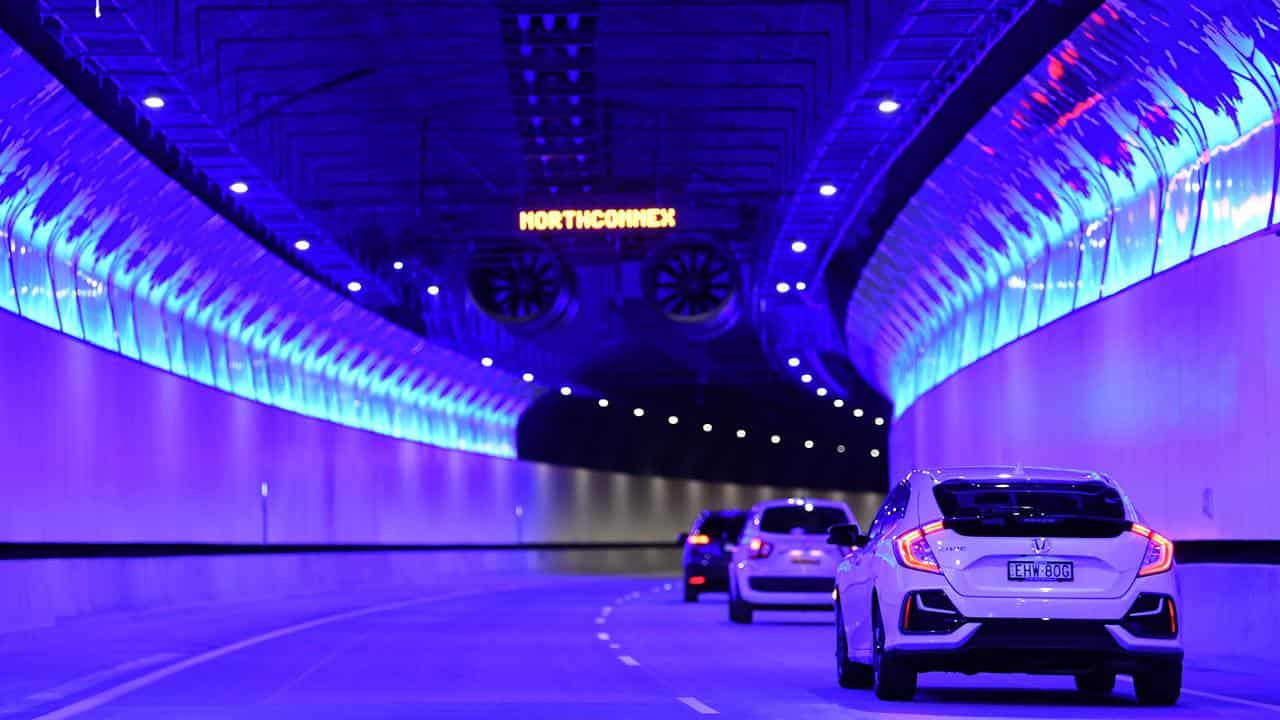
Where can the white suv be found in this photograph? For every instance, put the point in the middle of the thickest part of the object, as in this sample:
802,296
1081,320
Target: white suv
783,560
999,569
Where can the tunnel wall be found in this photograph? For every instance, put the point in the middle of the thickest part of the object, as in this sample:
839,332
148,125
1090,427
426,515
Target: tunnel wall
97,447
1172,386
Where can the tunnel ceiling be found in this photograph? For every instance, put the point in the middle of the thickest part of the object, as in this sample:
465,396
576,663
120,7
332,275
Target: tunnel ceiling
389,147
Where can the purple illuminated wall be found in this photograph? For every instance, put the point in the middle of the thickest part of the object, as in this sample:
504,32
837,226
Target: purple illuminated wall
1173,386
98,447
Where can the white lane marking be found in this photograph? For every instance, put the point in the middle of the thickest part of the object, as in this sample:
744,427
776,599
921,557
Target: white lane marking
155,676
606,610
666,586
602,636
628,660
88,681
599,621
614,646
698,706
1221,698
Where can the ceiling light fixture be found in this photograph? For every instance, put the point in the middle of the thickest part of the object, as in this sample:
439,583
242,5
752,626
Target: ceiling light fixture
302,245
838,403
827,190
875,452
793,362
153,101
799,246
672,419
806,378
565,390
638,412
239,187
808,444
822,392
857,412
706,427
840,449
397,265
802,285
603,402
782,287
879,421
775,439
527,377
486,361
889,105
354,286
433,290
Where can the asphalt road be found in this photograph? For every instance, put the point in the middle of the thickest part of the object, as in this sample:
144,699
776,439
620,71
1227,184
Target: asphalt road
559,648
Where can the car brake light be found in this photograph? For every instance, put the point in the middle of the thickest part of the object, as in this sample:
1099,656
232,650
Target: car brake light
1159,555
697,580
913,548
759,548
699,539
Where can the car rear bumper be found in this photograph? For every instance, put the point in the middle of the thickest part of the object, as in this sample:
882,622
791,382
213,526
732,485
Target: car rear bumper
782,592
1035,646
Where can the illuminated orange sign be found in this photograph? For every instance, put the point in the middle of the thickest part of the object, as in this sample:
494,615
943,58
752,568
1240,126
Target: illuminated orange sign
611,219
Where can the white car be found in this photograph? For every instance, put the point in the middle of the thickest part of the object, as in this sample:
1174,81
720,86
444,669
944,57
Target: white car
1015,570
782,560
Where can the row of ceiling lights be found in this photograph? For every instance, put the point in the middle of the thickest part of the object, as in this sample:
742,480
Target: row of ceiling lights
807,378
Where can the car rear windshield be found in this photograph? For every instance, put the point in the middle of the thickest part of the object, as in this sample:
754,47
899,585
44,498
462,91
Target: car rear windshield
1035,508
726,526
806,519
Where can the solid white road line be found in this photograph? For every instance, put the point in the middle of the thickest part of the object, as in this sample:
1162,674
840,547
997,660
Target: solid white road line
698,706
1220,698
628,660
155,676
88,681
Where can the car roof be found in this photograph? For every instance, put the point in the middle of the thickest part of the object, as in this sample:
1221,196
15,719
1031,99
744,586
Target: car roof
1015,474
801,501
727,513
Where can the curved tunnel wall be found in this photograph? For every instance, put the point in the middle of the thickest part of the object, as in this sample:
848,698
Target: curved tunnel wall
1172,386
99,244
1145,140
97,447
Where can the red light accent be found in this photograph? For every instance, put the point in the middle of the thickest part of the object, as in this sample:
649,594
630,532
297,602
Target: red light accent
1162,545
1056,70
1040,97
699,539
760,548
1079,109
697,580
1173,618
906,551
906,612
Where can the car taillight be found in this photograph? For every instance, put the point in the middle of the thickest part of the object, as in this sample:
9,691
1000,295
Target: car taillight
699,539
759,548
697,580
1159,555
913,548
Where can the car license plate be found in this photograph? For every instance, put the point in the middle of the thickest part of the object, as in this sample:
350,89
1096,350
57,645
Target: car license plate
1042,570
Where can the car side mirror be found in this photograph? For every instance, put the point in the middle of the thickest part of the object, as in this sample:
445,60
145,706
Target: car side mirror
845,535
862,540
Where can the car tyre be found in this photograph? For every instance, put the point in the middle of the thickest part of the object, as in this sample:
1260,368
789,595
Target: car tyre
1159,684
690,595
850,675
739,609
1096,683
894,678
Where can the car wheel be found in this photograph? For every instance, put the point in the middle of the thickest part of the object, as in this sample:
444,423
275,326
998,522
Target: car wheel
739,609
894,678
690,595
1096,683
1160,683
852,675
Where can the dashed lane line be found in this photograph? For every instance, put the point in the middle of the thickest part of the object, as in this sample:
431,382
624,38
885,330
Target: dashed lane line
698,706
628,660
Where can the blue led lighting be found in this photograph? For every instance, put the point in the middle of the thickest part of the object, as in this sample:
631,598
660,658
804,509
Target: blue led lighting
97,243
1143,140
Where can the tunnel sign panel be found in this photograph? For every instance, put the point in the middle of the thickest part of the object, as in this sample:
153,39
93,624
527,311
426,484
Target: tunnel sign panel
606,219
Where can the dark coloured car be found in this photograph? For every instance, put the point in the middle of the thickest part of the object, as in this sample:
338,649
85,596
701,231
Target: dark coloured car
707,547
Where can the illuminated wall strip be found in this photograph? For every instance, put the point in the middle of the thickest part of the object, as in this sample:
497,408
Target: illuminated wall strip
95,242
1117,162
